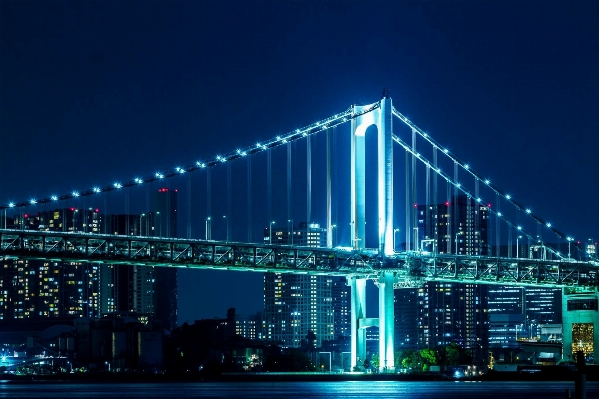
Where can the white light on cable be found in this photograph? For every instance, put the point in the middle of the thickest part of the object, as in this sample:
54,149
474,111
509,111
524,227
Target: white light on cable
54,198
75,194
96,189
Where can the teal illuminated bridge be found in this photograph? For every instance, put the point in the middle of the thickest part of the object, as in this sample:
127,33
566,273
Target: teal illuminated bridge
409,269
453,223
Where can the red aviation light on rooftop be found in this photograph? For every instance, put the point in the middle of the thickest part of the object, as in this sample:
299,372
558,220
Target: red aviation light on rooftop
415,205
97,210
447,203
488,205
163,190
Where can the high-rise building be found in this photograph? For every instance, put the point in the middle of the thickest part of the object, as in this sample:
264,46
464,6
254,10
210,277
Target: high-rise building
439,313
295,304
341,297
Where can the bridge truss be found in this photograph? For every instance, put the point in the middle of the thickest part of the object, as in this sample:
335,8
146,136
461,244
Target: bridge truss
410,269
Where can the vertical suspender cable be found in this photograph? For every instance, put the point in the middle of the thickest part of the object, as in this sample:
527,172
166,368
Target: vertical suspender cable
408,203
455,215
105,224
436,206
127,222
148,210
329,216
414,203
208,205
249,201
188,205
309,180
497,228
476,214
427,211
289,202
269,189
229,201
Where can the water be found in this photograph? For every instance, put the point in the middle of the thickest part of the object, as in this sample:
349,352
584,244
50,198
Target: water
342,389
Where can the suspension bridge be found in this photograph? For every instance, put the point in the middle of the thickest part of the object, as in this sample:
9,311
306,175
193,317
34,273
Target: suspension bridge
456,226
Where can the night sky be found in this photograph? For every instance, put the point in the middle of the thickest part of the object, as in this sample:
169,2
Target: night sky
97,91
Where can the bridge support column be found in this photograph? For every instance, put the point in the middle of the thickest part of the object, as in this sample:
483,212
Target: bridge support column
386,322
358,312
382,118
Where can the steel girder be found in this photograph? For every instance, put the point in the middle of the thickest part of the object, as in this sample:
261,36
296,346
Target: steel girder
201,254
413,269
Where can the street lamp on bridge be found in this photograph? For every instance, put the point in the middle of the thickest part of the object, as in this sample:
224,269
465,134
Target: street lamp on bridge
208,228
569,242
227,224
517,242
394,234
270,231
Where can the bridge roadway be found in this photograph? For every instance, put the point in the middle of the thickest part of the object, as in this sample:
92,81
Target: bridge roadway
409,269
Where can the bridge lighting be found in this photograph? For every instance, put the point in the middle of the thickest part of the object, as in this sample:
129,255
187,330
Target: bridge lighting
278,138
478,200
508,196
446,150
499,214
33,202
159,175
528,211
519,228
11,205
424,135
458,185
180,170
487,181
75,194
96,189
466,166
138,180
117,185
54,198
284,141
549,225
304,134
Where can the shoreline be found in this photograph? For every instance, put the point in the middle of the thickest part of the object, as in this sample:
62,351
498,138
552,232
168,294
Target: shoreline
543,374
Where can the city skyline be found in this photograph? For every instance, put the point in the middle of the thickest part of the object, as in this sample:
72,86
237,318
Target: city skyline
88,106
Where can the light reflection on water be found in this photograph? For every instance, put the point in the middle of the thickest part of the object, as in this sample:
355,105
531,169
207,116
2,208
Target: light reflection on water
341,389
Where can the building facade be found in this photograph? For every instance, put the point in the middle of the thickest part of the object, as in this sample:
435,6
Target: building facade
295,304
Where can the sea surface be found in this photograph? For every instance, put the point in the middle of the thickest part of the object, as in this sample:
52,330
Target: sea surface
340,389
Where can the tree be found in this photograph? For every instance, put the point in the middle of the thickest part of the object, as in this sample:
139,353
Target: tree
429,357
375,361
455,354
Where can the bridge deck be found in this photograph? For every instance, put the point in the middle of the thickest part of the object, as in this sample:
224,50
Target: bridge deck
411,269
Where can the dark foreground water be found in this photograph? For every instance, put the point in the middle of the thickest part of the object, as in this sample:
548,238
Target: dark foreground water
342,389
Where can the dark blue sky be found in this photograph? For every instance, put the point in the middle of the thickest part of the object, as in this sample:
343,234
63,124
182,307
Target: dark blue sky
94,92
